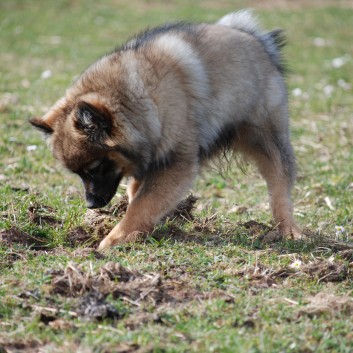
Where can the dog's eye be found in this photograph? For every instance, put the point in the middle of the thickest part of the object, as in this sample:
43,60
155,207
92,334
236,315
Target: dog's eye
95,167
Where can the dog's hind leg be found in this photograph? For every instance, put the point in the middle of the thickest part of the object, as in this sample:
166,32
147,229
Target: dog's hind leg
273,154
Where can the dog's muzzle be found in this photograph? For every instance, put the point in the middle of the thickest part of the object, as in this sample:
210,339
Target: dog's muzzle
94,201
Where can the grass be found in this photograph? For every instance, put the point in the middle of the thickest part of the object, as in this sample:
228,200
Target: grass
205,285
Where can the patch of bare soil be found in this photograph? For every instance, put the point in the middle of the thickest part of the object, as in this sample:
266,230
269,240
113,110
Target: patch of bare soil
87,252
75,281
120,207
206,225
17,236
255,228
204,230
99,221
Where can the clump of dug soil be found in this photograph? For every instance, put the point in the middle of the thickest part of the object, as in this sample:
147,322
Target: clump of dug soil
135,289
320,270
98,223
112,278
16,236
324,302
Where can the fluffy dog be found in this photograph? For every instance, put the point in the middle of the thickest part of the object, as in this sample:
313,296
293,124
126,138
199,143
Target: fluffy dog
166,102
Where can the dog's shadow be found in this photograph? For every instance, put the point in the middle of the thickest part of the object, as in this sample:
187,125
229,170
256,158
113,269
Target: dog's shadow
250,236
211,232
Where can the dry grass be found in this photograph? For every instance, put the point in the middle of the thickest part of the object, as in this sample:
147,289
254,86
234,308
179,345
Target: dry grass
328,303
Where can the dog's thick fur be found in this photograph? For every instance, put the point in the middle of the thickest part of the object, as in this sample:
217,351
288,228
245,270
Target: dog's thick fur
166,102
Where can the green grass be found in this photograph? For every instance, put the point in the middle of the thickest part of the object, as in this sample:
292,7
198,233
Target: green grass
230,294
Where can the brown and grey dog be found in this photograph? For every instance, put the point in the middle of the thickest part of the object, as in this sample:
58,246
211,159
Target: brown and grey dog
165,103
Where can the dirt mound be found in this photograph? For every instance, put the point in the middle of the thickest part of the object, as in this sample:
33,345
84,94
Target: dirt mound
75,280
326,270
132,287
321,270
97,224
324,302
17,236
120,207
114,279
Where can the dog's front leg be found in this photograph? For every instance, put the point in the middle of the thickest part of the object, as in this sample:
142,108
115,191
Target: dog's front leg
158,193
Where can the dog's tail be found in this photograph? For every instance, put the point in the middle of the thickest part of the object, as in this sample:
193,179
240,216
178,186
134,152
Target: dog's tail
273,41
243,20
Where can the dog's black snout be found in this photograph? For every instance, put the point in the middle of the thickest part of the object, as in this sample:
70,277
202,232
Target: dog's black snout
94,201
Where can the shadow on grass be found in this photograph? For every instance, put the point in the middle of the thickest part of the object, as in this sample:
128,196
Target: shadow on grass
251,236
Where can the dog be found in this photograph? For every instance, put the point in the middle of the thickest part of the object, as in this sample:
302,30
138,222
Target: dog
165,103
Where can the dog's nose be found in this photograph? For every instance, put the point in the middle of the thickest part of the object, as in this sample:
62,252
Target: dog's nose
94,201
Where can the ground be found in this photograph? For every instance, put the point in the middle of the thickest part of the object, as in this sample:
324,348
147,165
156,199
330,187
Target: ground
207,279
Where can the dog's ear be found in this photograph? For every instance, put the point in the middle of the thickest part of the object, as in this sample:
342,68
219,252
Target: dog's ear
42,125
47,123
94,121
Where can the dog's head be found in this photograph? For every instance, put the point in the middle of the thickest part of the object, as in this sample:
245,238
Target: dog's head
80,134
106,127
91,141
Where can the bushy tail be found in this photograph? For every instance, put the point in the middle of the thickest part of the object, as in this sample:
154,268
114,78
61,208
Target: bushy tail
243,20
273,41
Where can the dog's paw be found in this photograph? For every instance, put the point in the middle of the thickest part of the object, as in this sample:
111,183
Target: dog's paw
105,244
292,232
114,239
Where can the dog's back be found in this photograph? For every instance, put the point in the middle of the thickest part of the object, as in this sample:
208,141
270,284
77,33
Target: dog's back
231,72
